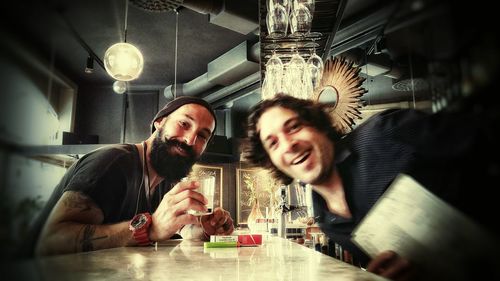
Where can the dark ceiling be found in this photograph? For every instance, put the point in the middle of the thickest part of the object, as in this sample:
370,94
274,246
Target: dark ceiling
66,32
53,27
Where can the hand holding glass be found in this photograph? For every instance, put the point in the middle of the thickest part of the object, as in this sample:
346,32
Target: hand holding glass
207,189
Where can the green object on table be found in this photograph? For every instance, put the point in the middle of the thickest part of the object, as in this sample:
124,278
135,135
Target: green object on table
220,244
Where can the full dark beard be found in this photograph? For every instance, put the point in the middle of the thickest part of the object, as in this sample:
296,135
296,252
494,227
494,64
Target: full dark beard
168,164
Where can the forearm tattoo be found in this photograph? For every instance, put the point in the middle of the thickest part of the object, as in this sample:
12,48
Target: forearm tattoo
87,238
86,242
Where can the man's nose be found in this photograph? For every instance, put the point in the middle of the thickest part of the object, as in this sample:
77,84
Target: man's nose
190,138
289,144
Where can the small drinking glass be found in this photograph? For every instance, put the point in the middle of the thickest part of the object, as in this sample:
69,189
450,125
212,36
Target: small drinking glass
207,189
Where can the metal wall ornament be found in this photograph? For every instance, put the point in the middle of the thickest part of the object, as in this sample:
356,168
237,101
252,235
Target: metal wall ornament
341,89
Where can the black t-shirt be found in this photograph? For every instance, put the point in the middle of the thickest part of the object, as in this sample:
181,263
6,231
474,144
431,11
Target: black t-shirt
112,177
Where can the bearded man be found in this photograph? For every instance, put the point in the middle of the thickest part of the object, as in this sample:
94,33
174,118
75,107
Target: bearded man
130,194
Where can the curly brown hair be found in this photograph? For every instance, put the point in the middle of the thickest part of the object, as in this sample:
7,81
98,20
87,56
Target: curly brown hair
312,113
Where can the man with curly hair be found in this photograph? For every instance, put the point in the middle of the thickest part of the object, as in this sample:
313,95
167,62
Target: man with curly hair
295,139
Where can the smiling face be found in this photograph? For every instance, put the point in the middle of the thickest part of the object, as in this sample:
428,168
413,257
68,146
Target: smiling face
191,124
297,149
180,140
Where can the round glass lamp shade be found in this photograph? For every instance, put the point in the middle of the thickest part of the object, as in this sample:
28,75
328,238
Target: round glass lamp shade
119,87
123,61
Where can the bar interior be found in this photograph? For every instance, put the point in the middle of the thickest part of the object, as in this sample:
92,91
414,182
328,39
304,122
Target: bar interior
112,112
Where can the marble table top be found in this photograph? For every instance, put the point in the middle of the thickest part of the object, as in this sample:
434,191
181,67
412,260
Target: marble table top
276,259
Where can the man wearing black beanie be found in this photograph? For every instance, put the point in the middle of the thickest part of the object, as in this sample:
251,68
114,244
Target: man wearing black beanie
130,194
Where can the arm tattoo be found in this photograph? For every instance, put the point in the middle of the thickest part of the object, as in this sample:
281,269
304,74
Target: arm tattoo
86,242
88,231
76,200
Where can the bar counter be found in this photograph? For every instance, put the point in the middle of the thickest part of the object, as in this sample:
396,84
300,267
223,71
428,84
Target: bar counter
276,259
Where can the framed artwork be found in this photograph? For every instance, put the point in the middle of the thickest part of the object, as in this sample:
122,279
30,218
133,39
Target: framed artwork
205,170
257,194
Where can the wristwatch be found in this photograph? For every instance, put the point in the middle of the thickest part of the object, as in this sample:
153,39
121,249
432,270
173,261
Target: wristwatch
139,225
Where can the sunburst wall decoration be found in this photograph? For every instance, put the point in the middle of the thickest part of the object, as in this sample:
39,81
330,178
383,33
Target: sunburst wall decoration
341,88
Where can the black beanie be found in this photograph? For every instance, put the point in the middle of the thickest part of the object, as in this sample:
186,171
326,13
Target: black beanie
178,102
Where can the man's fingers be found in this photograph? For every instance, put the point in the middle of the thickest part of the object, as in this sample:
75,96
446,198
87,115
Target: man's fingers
207,225
183,185
228,227
228,223
221,220
189,204
189,193
397,269
225,229
165,224
216,215
379,263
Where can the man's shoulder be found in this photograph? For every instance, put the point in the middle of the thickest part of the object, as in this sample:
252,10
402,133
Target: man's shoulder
111,152
393,118
399,114
117,148
102,160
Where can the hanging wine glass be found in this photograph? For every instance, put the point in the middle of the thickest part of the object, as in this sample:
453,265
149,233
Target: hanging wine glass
273,79
294,74
300,20
315,67
310,4
285,3
277,21
266,91
307,83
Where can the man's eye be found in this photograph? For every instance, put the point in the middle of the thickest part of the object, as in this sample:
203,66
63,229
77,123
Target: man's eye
295,126
272,144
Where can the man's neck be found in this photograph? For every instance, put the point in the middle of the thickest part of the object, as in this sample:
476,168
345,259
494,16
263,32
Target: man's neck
332,191
154,178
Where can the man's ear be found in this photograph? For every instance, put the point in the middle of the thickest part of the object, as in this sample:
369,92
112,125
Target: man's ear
159,122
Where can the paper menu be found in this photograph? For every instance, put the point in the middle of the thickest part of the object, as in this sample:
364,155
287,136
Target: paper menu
418,225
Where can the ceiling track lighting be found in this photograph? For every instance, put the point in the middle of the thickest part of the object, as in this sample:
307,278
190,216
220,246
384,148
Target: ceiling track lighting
89,66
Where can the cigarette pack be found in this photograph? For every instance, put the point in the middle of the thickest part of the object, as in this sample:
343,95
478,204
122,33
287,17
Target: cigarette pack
223,238
242,239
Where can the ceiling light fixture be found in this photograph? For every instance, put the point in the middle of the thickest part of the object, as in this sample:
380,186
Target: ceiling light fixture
120,87
123,61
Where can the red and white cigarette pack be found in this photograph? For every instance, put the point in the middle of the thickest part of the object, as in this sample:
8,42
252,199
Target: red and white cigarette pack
242,239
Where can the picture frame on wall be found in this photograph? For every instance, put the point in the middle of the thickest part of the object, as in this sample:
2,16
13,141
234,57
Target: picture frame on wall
217,172
256,194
